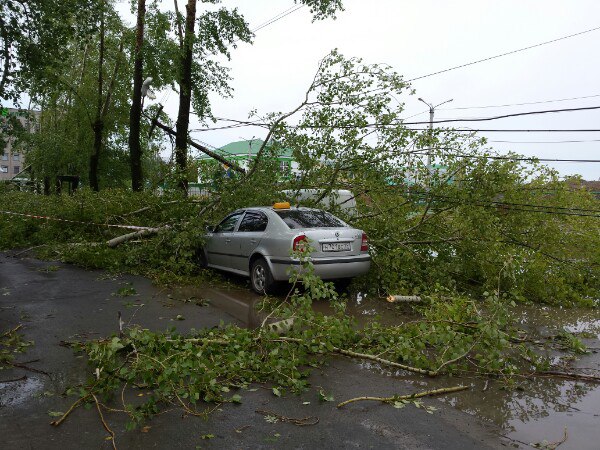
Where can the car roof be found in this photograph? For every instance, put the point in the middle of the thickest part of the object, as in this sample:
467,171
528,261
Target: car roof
270,208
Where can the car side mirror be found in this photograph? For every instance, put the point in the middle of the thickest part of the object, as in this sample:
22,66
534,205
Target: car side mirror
210,229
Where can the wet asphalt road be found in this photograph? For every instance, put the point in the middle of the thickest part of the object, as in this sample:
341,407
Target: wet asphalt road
56,302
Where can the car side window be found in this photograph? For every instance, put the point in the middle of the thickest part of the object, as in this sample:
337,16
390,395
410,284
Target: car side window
228,223
254,221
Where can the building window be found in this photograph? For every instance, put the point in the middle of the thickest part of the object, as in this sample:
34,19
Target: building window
16,169
16,157
3,169
284,166
4,156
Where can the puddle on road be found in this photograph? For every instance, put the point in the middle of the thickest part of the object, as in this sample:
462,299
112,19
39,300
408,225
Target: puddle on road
531,412
16,392
238,303
538,409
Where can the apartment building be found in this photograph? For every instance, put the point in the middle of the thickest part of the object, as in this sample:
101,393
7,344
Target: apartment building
12,159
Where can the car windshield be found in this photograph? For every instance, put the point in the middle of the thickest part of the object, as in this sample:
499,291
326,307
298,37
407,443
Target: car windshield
309,218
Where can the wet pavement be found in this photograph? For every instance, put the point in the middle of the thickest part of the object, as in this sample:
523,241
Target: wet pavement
529,411
57,302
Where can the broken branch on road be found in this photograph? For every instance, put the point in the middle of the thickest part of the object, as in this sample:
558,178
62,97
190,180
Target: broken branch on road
396,398
301,422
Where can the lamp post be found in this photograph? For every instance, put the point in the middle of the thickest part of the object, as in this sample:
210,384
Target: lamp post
431,113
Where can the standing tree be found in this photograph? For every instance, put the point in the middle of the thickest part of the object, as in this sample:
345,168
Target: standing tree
103,102
83,101
32,35
135,115
193,67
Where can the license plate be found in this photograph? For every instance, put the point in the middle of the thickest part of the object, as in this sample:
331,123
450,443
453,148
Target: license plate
336,247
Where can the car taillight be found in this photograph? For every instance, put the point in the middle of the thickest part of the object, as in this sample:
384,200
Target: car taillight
364,245
299,243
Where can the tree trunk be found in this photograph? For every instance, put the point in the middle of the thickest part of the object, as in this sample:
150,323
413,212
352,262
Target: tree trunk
135,114
99,122
185,94
5,57
46,185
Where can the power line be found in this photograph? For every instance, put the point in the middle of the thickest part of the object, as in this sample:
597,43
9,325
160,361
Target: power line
278,17
532,159
225,127
505,54
547,142
557,210
514,130
556,213
274,19
507,105
504,116
518,104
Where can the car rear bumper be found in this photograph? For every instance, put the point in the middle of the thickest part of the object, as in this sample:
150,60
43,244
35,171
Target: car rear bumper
326,268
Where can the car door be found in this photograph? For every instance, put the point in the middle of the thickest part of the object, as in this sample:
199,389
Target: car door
247,237
218,244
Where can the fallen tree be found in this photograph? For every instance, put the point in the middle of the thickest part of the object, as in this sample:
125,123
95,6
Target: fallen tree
136,234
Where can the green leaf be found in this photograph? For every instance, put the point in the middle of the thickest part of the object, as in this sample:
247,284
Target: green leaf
115,344
271,419
324,396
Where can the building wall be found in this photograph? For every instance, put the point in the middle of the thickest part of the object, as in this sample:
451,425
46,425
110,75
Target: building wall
285,163
12,161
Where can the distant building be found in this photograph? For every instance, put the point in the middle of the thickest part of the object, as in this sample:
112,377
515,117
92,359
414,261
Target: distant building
244,152
592,186
12,160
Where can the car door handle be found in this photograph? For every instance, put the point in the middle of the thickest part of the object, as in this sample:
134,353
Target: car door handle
253,241
227,241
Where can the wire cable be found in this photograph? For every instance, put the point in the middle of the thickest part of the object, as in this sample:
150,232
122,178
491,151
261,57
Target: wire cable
278,17
532,159
547,142
558,210
517,104
504,116
514,130
504,54
508,158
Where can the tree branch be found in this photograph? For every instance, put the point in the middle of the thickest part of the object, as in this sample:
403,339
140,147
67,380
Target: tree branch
397,398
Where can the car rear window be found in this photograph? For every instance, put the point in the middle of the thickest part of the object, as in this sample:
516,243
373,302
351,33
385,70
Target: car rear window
309,218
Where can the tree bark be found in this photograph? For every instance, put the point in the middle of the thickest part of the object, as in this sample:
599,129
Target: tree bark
135,114
99,122
129,236
6,57
185,95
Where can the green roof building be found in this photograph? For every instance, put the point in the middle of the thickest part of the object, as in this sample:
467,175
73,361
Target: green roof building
242,152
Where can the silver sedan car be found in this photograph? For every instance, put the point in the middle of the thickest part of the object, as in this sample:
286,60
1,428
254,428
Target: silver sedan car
258,243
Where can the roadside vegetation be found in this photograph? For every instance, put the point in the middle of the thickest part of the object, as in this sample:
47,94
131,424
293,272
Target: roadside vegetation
472,238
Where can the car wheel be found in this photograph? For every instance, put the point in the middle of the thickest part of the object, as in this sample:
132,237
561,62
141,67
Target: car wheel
201,258
342,284
261,277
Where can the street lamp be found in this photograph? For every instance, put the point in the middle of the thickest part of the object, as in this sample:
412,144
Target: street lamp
431,112
146,91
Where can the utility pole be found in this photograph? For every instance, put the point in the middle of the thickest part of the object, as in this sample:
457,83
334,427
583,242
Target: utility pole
431,113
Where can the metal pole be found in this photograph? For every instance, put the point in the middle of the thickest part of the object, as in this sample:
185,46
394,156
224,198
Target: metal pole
431,112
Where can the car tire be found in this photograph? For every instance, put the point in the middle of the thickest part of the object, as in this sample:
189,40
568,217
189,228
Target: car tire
261,278
201,258
342,284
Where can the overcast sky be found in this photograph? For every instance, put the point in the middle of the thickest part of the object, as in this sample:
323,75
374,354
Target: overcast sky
418,38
